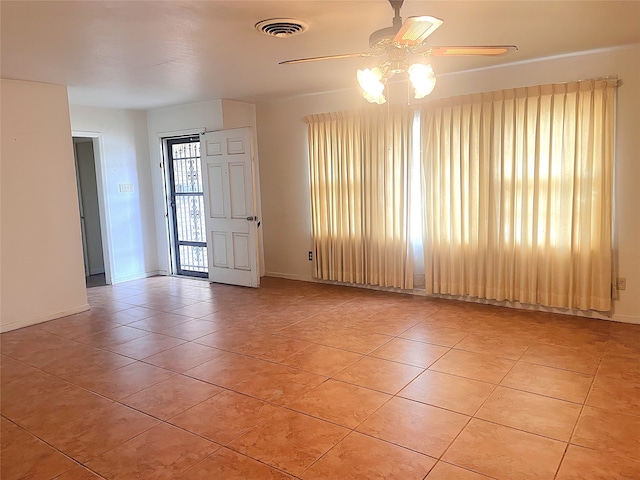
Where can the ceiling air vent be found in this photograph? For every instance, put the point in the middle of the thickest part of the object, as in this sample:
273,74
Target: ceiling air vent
282,27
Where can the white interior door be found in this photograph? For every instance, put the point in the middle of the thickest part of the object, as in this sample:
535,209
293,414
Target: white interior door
230,207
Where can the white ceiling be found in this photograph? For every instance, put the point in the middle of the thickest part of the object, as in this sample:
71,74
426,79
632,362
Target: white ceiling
149,54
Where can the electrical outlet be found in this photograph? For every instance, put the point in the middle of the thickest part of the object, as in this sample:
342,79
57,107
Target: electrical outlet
310,256
621,283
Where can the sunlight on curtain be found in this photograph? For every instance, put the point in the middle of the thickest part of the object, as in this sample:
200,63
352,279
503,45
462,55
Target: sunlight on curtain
517,194
359,169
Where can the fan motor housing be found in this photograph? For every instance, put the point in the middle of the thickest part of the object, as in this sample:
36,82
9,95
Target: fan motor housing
383,37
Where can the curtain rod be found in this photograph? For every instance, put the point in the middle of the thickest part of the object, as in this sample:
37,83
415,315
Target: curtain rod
600,79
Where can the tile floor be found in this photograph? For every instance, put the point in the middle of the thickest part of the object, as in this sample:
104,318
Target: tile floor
175,378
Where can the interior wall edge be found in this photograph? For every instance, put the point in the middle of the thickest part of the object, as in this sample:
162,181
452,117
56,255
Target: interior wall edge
626,318
7,327
138,276
291,276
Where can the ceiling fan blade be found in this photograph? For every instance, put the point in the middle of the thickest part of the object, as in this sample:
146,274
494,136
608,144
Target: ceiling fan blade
328,57
485,50
415,30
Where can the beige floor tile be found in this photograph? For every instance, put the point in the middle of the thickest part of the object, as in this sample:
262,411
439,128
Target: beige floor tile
33,390
387,322
124,381
146,346
229,465
435,334
96,433
619,367
26,457
114,336
477,366
191,330
459,394
322,360
289,441
78,473
463,316
279,384
621,393
586,464
160,453
532,413
342,403
224,417
446,471
378,374
96,363
196,310
566,358
410,352
361,457
50,412
228,369
551,382
624,346
353,340
132,314
283,414
423,428
310,330
183,357
505,453
505,346
609,432
171,396
273,348
576,336
159,321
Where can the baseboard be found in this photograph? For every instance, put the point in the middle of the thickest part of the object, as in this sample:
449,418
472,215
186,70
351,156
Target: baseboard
138,276
289,276
626,318
515,305
45,318
523,306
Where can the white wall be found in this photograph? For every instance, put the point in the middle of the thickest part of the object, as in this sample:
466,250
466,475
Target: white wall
42,274
284,179
124,160
282,141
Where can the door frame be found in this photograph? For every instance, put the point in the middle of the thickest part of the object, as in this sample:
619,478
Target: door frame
101,176
170,205
166,193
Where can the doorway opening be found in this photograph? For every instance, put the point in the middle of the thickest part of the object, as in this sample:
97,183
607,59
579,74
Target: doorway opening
186,206
88,204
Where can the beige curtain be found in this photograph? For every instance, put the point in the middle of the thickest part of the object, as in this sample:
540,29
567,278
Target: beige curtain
359,164
517,194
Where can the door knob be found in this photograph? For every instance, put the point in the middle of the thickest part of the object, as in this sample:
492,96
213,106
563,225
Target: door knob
251,219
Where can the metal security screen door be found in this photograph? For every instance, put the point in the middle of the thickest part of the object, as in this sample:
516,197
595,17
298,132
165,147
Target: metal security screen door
187,207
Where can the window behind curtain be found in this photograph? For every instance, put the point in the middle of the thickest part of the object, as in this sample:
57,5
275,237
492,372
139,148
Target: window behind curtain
517,189
504,195
359,165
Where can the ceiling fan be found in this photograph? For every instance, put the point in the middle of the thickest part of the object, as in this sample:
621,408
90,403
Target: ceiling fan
397,43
